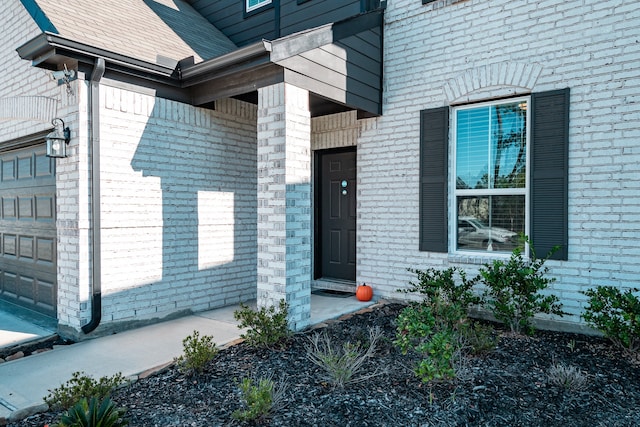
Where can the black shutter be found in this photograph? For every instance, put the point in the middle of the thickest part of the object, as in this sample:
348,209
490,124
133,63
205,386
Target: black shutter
434,134
549,166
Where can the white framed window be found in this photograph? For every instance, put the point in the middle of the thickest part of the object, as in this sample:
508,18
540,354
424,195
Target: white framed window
251,5
490,178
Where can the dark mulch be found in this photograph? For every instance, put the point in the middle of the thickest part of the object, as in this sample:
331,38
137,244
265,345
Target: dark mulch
507,387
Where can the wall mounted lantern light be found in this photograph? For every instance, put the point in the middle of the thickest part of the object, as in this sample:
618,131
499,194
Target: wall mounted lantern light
58,140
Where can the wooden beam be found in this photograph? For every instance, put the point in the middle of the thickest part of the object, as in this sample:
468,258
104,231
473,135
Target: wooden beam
235,84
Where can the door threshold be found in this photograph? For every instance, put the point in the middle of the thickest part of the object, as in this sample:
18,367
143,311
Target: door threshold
330,284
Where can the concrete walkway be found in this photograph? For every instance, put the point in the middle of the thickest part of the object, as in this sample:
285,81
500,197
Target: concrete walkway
18,325
25,382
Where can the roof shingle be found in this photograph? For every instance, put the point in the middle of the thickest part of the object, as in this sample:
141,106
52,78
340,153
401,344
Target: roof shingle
143,29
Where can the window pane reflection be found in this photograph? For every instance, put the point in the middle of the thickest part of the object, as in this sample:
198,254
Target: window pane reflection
490,223
491,146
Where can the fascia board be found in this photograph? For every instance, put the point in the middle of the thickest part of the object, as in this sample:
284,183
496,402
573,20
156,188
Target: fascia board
46,44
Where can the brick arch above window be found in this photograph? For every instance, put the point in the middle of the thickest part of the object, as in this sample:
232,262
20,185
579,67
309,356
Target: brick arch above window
492,81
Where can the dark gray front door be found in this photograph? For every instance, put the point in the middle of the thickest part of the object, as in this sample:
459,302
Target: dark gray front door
28,229
337,215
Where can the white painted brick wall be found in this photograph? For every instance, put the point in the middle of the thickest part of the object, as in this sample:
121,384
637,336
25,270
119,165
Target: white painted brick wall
335,131
436,54
29,100
25,91
178,205
284,201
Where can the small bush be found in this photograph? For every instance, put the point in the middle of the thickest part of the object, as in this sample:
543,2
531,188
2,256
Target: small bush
81,386
197,353
440,285
413,325
433,328
616,315
260,398
440,353
513,290
267,326
93,413
568,377
342,364
478,338
417,330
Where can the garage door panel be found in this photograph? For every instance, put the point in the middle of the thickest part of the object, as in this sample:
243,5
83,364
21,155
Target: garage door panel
25,208
46,295
27,229
8,170
9,284
45,250
26,288
8,207
44,207
25,248
9,245
44,166
25,167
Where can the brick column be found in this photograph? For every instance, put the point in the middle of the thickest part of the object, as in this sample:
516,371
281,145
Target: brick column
284,200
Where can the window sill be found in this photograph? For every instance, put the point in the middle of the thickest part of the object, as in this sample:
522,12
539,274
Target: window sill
476,258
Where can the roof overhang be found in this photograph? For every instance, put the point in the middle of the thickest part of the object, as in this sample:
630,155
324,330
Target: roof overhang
49,50
340,64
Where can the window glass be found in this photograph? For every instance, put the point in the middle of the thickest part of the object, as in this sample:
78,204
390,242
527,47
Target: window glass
490,223
255,4
491,143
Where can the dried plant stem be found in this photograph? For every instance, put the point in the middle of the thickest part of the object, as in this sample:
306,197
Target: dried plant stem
342,364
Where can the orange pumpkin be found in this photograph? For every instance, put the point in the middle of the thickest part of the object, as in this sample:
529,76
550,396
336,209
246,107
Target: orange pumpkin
364,292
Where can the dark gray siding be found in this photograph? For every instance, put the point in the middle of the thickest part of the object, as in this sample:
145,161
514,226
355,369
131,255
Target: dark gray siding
297,17
347,71
364,69
229,17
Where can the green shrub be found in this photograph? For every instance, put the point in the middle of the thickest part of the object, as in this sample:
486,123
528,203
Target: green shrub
197,353
414,324
81,386
440,353
616,315
433,327
93,413
513,287
417,331
267,326
441,286
342,364
259,397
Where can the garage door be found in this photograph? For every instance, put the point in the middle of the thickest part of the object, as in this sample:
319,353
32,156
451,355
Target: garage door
28,229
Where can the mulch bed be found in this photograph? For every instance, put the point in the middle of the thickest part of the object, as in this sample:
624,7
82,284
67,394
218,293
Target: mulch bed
509,386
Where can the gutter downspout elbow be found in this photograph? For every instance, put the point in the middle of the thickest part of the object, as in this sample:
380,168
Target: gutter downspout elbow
94,132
